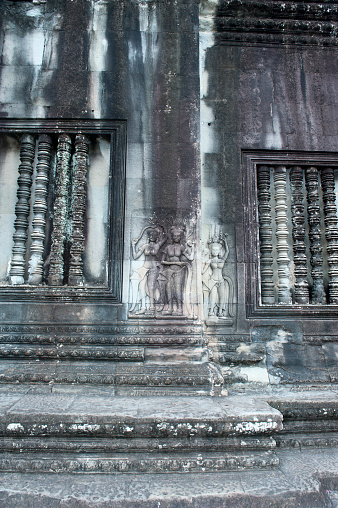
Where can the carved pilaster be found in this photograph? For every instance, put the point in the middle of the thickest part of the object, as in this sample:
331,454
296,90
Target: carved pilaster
313,209
298,235
265,234
27,152
79,189
284,294
60,210
331,230
39,209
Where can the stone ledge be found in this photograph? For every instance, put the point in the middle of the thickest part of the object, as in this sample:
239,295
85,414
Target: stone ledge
304,478
198,378
142,463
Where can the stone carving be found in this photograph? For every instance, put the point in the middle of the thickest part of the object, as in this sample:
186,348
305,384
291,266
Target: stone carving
331,230
61,211
174,272
79,191
301,293
313,209
265,234
39,209
162,285
289,23
27,153
218,289
145,279
284,293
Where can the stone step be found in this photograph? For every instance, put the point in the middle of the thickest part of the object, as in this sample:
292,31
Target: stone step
307,439
77,431
306,479
178,354
128,378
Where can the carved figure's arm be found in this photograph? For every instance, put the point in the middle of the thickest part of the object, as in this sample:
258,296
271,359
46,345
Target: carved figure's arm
137,253
226,249
164,256
163,240
206,265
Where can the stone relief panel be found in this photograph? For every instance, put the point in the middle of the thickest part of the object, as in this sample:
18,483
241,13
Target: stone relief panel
162,281
218,288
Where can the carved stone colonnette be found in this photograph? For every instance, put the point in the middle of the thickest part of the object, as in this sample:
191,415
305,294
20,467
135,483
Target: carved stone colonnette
69,210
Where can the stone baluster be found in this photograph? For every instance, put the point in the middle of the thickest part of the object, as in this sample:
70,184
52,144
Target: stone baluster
311,180
265,234
39,209
27,153
62,182
284,293
331,230
301,294
79,190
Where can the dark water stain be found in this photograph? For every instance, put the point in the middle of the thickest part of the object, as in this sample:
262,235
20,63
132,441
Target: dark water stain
67,91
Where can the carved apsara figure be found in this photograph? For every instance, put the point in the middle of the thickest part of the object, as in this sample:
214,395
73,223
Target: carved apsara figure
218,288
175,272
144,279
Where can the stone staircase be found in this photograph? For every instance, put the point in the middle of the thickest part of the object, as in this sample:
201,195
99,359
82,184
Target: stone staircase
150,409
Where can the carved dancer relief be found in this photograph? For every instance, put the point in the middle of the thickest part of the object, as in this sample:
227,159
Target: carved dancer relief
265,234
311,180
162,285
218,289
39,210
331,230
144,280
79,191
284,293
27,153
62,182
301,292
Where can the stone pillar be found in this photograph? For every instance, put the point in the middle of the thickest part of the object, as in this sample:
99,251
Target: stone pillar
313,209
39,209
282,233
265,234
27,153
298,235
62,180
331,230
79,190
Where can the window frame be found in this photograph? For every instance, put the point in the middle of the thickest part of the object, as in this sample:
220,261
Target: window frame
117,130
250,159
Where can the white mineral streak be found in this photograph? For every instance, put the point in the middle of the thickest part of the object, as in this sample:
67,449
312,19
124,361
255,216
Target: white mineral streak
206,40
85,427
24,54
9,163
97,58
209,141
273,139
143,60
255,427
256,374
97,212
15,427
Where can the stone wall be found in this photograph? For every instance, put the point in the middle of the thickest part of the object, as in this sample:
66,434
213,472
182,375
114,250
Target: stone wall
198,86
